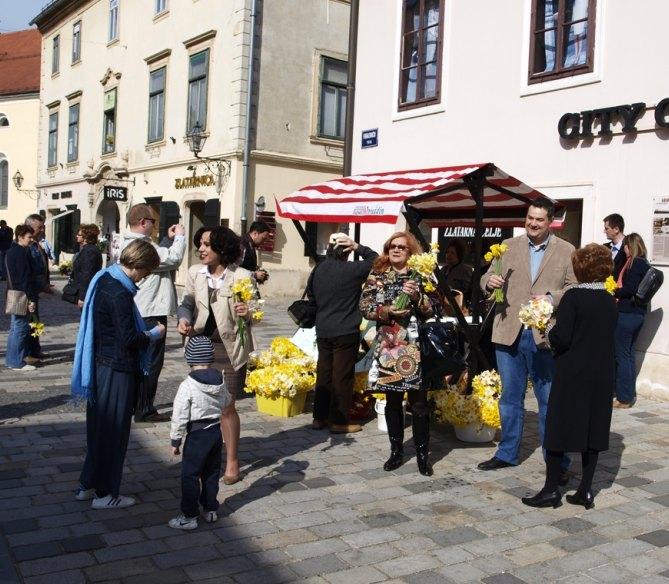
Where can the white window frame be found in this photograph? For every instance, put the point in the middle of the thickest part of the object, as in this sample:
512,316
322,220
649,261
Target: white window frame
190,127
114,11
160,6
161,136
73,133
76,42
321,85
110,148
595,76
52,145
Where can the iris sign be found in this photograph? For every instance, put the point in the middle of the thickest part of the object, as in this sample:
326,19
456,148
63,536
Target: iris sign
573,126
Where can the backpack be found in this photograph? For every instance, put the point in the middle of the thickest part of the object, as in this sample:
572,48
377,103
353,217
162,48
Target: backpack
649,284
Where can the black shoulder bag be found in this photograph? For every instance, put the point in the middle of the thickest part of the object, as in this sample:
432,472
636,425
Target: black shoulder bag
303,311
440,352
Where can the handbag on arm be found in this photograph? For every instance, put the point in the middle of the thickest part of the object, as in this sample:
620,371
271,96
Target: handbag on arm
303,311
17,300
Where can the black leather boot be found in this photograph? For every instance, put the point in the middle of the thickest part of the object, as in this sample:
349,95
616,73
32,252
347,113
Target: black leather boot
421,439
395,423
544,499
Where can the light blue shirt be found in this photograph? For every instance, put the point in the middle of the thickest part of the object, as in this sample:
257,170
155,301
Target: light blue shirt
536,256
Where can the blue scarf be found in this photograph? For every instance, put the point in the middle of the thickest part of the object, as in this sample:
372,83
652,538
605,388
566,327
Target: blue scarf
83,369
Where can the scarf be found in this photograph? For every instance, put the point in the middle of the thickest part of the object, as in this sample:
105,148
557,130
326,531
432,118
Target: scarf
83,369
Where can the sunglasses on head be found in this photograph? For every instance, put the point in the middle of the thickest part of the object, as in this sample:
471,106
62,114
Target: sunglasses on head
397,246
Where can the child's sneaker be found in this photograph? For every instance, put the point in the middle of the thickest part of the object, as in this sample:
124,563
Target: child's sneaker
84,494
183,522
210,516
110,502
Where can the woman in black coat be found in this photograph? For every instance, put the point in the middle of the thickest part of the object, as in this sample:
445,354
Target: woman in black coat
580,403
87,262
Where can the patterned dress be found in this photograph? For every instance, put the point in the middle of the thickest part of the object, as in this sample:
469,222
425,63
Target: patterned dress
396,364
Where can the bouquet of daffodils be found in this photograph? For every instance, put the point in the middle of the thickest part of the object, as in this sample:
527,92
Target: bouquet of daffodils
281,371
65,267
244,291
36,327
494,255
610,285
536,314
455,406
423,265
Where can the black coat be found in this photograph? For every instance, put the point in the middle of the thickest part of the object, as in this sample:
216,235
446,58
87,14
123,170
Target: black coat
19,271
250,261
581,398
87,263
618,261
631,280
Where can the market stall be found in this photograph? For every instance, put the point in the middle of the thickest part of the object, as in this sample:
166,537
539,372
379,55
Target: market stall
474,195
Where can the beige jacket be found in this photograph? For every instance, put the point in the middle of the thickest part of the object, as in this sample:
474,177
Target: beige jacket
194,308
554,276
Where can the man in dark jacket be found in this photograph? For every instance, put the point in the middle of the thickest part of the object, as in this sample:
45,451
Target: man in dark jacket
6,237
614,229
334,287
258,233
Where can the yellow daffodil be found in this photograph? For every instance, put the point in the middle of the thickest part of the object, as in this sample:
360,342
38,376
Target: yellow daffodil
494,255
37,328
536,313
610,285
243,290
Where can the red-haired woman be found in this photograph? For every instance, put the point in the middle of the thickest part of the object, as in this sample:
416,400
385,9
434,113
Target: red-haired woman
396,366
578,418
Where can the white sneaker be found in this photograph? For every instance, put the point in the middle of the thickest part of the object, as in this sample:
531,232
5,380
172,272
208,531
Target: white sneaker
183,522
210,516
82,494
110,502
26,367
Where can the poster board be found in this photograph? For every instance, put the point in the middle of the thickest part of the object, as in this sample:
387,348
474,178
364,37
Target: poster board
660,230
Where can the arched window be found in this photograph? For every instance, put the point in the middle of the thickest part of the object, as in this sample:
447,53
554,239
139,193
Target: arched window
4,120
4,181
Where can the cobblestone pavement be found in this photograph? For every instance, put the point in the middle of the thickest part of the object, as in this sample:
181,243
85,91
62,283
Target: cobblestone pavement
315,507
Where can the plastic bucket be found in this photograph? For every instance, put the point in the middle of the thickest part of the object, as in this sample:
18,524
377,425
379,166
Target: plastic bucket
475,433
380,409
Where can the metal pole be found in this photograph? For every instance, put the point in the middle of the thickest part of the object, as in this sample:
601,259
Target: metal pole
350,98
247,129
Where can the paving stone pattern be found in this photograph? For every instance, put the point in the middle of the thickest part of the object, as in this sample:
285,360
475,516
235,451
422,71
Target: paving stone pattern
315,507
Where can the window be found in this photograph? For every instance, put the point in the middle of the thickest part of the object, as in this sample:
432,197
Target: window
161,6
4,121
113,20
157,104
198,72
76,42
332,117
109,122
562,39
73,133
53,139
55,57
421,58
4,181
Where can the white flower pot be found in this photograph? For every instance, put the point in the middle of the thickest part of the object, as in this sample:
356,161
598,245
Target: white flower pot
475,433
380,409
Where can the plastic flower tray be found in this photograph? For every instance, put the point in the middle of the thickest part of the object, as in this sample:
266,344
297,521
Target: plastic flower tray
283,407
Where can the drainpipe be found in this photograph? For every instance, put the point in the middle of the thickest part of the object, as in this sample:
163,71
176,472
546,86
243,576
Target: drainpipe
247,129
350,97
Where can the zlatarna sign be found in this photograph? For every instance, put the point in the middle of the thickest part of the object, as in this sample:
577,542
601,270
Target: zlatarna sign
577,125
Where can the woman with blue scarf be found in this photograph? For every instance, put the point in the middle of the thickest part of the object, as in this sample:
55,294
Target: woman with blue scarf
108,361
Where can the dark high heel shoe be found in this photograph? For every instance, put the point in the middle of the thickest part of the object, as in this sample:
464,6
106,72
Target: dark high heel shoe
578,498
395,460
544,499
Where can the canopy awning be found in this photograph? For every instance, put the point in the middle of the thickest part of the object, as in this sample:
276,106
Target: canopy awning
441,196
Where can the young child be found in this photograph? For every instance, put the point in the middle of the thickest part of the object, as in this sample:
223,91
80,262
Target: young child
197,410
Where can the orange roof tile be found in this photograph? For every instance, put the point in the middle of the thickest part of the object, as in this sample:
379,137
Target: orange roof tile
20,62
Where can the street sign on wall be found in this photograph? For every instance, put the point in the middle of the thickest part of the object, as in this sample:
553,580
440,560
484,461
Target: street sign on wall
370,138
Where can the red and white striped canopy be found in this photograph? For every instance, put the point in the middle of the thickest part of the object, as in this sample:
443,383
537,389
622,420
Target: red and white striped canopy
439,195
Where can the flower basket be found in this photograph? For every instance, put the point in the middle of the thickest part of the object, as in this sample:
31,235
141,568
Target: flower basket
475,433
284,407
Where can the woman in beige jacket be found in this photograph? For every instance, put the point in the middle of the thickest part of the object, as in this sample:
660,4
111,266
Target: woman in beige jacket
209,308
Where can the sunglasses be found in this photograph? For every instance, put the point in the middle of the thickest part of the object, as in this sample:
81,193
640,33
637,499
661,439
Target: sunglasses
149,219
397,246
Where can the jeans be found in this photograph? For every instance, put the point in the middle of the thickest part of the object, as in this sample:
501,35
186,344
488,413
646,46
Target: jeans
149,384
2,264
627,331
516,363
201,470
17,341
335,376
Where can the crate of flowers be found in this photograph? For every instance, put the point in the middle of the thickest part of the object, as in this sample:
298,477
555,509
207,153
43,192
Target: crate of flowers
280,377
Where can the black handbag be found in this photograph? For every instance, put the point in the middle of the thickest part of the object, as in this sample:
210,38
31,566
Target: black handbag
303,311
650,283
440,352
70,292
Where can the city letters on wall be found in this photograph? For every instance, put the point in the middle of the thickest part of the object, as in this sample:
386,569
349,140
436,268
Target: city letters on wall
573,126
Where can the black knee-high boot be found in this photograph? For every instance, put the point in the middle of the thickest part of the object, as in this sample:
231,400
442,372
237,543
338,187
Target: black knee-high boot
395,422
420,422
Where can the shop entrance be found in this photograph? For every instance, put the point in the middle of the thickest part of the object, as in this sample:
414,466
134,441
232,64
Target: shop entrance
571,228
202,213
109,218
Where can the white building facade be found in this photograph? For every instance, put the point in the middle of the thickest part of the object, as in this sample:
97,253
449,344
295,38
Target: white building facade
124,83
569,96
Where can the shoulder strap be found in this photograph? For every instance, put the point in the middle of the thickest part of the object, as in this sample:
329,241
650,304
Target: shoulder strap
9,280
310,279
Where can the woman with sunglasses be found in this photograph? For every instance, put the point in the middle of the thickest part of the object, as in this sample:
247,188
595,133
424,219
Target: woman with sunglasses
396,367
